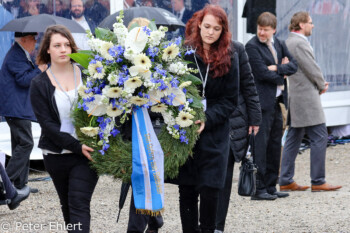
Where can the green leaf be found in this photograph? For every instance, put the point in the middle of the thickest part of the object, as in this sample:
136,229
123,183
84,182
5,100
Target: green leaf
89,52
132,26
197,103
105,34
192,78
81,58
152,25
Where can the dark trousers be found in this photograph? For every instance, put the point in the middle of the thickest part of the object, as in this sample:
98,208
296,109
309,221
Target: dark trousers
10,190
22,144
318,145
189,208
75,182
225,194
268,150
138,222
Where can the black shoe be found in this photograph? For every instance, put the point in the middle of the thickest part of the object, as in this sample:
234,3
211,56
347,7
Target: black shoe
34,190
280,194
264,196
22,194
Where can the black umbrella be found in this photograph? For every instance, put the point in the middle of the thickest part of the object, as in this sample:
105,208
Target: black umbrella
39,23
123,194
160,16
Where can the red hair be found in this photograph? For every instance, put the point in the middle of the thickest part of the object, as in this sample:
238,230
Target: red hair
220,50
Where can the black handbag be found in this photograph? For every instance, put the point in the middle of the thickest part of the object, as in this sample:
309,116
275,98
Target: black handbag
247,174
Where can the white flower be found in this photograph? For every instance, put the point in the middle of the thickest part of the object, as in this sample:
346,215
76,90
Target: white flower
82,93
184,119
120,31
104,50
97,107
142,60
156,37
159,108
185,84
114,92
133,83
178,68
168,118
113,78
129,54
140,70
136,40
170,52
96,70
180,96
90,131
113,111
138,100
155,95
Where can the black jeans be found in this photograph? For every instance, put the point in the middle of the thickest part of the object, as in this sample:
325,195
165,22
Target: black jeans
189,208
75,182
138,222
22,144
224,195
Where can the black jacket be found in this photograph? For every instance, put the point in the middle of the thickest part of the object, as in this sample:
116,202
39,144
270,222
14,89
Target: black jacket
266,81
45,109
248,111
208,165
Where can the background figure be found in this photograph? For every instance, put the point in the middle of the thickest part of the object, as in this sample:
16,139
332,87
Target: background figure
17,72
245,118
305,111
129,3
61,8
32,7
203,175
180,11
96,11
53,94
6,38
149,3
77,11
270,62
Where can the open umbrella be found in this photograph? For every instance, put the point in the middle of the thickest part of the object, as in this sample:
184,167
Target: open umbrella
39,23
160,16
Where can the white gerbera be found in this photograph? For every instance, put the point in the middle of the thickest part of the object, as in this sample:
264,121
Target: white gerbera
97,107
89,131
159,108
168,118
170,52
104,50
133,83
96,70
184,119
136,40
113,78
114,92
185,84
142,60
113,111
82,93
138,100
140,70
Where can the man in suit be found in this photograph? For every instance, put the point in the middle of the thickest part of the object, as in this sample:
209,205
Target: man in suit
270,62
305,110
180,11
17,72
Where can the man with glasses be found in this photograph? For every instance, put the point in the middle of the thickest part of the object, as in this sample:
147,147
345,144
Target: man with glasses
77,11
17,72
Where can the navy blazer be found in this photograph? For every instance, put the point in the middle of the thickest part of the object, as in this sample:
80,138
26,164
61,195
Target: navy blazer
266,81
16,74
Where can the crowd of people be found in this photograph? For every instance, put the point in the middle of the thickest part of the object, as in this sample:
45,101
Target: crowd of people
243,90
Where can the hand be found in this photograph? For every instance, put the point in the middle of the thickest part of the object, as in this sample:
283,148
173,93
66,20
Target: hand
253,127
42,67
326,84
285,60
272,67
86,152
201,128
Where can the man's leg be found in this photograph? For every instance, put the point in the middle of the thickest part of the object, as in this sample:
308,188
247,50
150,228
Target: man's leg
22,144
290,152
10,190
318,144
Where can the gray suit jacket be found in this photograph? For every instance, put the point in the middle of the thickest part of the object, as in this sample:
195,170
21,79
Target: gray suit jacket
305,85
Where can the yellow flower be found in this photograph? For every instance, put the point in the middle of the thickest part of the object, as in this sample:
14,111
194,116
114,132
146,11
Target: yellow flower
133,83
114,92
159,108
184,119
113,111
138,100
142,60
89,131
170,52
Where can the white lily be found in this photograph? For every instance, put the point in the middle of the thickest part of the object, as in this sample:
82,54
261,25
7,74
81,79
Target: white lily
140,70
136,40
98,107
180,97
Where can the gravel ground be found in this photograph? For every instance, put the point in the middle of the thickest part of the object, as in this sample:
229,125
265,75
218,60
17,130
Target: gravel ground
301,212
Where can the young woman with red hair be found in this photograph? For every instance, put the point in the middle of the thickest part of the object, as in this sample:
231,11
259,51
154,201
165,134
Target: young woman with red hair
203,175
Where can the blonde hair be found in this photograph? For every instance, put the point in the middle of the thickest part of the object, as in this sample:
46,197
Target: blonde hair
140,21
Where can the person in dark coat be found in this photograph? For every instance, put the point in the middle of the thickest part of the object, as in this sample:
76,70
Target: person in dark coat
53,94
17,72
203,175
271,63
243,121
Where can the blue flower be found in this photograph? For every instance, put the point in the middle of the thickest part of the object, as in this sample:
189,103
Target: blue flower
119,60
160,71
190,100
93,61
105,147
183,139
99,69
189,52
184,90
181,107
101,152
182,132
147,30
98,58
109,62
177,127
89,84
100,119
114,132
178,41
174,82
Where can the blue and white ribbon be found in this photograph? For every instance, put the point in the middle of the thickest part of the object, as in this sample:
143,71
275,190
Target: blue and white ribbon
147,176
